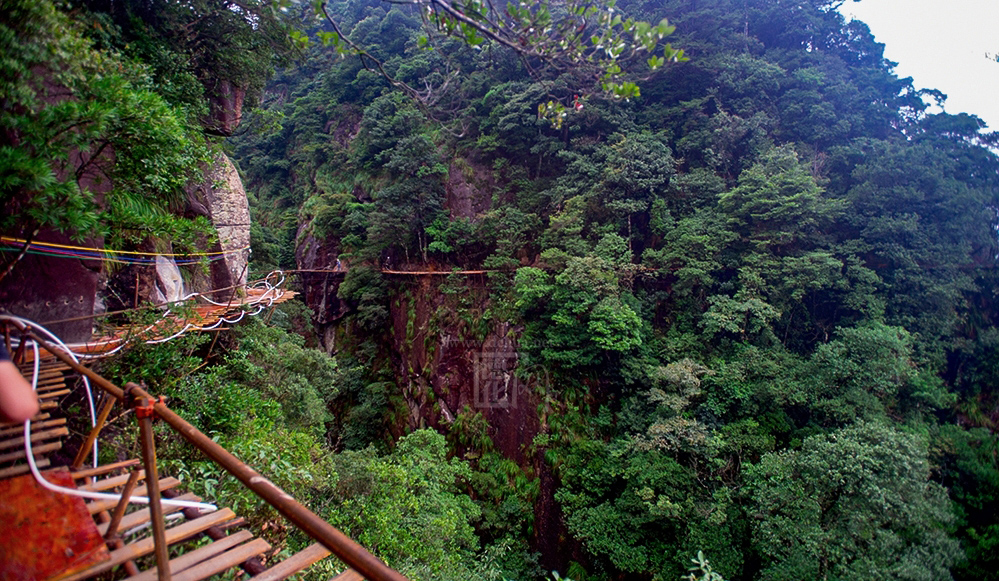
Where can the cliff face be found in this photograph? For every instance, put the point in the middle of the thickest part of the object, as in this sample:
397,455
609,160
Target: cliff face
218,196
47,289
450,356
449,359
320,288
453,359
225,109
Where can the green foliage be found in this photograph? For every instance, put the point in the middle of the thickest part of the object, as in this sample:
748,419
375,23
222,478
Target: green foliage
213,43
90,118
702,571
161,367
406,507
276,364
971,466
584,38
866,372
746,287
851,504
367,287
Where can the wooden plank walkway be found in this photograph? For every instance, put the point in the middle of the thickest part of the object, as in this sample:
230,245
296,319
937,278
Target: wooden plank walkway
198,318
47,432
202,544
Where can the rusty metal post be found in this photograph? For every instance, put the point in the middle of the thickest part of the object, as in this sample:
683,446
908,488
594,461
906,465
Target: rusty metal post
144,413
119,510
88,444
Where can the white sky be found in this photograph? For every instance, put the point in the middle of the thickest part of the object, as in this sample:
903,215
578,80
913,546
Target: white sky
941,44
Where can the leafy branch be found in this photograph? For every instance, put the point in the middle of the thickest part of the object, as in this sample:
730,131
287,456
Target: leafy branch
611,54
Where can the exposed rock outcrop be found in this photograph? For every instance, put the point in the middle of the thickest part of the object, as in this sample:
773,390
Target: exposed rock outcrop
220,197
225,108
169,285
450,362
45,289
469,190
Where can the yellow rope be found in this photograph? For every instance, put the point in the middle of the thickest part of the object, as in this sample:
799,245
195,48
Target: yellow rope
10,240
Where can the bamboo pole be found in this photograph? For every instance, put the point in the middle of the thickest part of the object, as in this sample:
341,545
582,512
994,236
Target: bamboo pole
119,511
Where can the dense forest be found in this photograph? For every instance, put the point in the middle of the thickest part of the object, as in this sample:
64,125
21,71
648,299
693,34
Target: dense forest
749,301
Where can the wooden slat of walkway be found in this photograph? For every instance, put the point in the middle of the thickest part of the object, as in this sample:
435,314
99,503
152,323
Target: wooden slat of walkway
226,560
144,547
36,451
18,442
294,564
105,469
97,506
142,516
200,316
196,556
18,429
109,483
23,468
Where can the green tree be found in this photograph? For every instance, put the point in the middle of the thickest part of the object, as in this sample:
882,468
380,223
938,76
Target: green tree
89,119
852,504
589,39
407,507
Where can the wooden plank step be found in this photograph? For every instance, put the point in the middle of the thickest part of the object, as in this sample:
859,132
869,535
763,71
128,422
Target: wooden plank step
43,372
102,470
35,426
45,384
142,516
109,483
295,563
47,377
196,556
48,405
97,506
52,394
45,363
36,451
37,418
349,575
9,443
145,546
54,386
223,562
22,468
